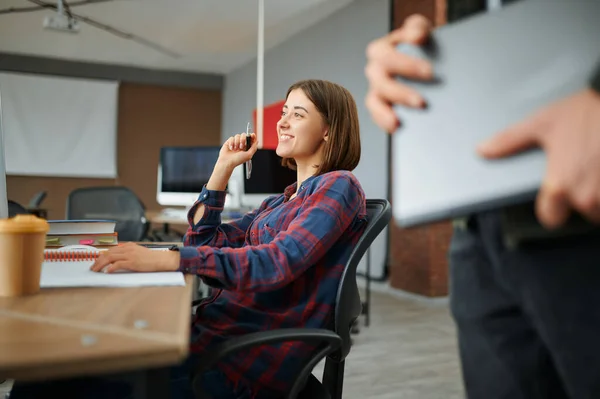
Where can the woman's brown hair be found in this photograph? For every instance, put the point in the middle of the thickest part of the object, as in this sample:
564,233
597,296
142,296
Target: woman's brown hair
338,109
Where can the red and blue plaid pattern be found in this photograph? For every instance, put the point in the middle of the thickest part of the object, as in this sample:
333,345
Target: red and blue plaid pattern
277,267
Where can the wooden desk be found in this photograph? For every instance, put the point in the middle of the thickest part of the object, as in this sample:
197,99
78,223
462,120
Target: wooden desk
161,218
69,332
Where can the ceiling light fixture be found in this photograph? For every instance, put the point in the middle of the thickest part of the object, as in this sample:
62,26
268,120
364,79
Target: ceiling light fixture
62,20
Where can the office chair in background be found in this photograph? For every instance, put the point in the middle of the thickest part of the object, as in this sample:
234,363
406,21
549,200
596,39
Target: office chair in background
14,209
36,200
336,343
34,206
113,203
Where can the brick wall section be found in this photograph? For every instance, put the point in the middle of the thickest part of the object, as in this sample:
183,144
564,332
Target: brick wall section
418,256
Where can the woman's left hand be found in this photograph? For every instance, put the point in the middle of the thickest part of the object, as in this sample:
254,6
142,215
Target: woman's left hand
136,258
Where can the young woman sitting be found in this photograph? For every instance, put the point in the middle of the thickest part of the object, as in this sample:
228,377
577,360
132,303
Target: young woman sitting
278,266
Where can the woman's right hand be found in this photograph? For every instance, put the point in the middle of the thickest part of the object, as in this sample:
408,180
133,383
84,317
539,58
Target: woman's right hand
233,153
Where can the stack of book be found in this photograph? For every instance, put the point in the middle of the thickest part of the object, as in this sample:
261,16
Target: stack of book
96,233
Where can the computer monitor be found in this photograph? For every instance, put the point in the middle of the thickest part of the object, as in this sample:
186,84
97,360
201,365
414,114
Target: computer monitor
182,172
268,177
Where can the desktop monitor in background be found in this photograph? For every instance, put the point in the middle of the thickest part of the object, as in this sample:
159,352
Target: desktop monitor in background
268,178
182,172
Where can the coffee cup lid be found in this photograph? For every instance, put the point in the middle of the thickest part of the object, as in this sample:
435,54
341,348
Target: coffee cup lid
24,224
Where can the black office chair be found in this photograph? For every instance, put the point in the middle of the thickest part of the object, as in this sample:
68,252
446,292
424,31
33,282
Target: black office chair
112,203
335,345
14,209
34,206
37,199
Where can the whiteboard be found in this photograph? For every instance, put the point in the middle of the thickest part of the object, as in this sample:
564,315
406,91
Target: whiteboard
56,126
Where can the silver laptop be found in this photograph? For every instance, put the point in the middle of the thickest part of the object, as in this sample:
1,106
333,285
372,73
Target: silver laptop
492,70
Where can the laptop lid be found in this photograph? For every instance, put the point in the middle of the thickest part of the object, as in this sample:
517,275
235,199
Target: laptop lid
492,70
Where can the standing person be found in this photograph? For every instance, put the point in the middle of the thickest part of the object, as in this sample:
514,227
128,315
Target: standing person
527,319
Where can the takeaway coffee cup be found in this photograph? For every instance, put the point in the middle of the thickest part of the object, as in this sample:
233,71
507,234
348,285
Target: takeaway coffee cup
22,243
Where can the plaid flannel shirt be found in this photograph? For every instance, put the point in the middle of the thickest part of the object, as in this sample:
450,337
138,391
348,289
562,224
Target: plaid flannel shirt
276,267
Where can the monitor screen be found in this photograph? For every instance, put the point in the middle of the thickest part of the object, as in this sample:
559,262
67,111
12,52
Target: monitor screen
182,173
268,176
186,169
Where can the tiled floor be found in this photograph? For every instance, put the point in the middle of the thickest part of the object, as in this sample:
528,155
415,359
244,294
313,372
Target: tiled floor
408,352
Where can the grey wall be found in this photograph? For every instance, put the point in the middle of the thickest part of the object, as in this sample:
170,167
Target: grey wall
334,49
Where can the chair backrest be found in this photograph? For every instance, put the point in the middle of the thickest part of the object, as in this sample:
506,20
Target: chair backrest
348,305
37,199
14,208
113,203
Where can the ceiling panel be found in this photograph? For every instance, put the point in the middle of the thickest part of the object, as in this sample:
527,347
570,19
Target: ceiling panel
209,35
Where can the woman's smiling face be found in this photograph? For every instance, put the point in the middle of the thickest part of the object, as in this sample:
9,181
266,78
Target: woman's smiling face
301,130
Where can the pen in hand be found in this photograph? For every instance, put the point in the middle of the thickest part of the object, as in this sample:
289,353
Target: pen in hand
248,145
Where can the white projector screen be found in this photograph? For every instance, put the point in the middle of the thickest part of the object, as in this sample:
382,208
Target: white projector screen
56,126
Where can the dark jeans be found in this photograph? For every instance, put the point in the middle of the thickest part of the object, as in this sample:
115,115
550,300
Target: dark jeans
528,319
214,384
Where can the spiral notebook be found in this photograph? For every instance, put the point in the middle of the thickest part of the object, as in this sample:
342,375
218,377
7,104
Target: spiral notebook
70,267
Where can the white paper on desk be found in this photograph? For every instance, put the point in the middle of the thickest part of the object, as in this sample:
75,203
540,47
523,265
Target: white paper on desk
78,274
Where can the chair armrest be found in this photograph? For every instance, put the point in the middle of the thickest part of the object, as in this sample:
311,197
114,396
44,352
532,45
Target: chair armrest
326,339
312,335
197,302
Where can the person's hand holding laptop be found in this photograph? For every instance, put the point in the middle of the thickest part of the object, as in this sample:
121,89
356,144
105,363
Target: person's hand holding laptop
563,127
